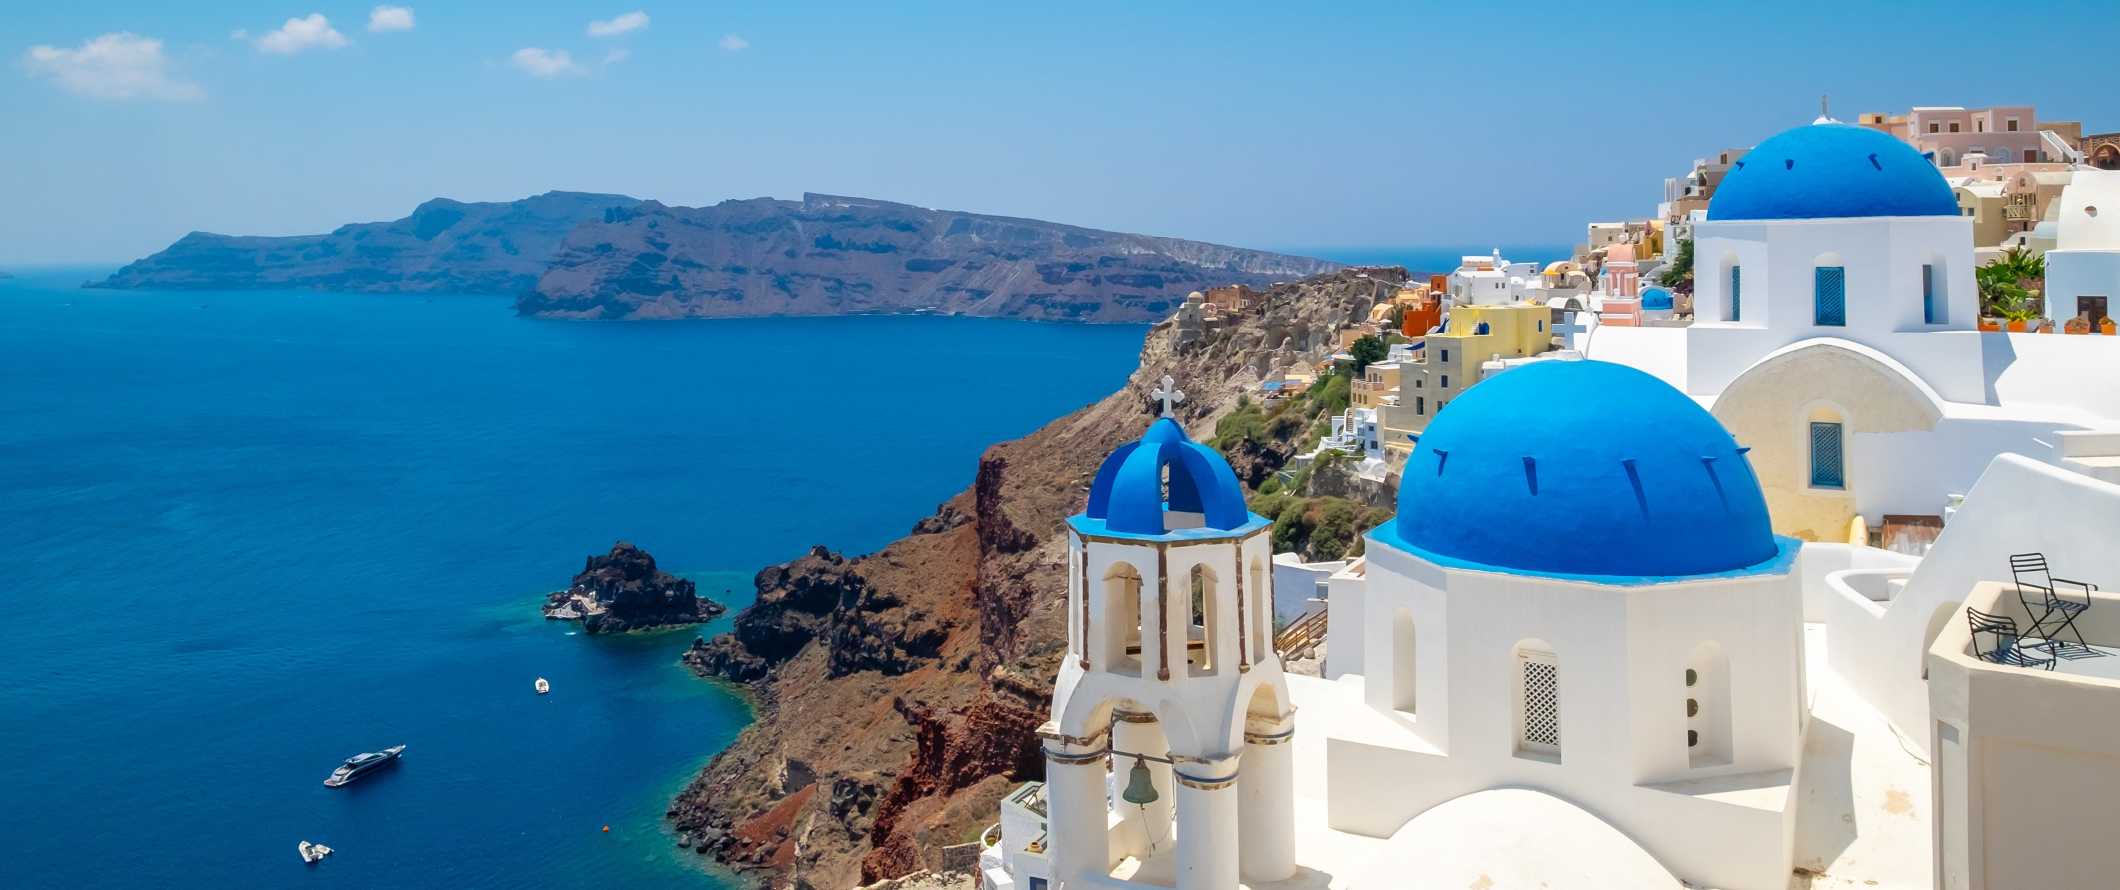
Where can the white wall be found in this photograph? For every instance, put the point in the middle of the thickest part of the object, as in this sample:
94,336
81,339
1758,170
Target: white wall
1297,585
2018,505
1347,602
1914,472
2074,273
1622,654
1883,258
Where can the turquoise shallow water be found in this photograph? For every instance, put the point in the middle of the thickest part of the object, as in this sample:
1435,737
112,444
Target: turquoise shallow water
245,535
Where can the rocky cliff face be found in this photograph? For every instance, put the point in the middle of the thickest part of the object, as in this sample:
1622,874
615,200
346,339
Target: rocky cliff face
831,255
443,247
898,692
623,590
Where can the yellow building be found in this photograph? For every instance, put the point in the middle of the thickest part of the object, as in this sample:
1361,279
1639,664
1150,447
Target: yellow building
1380,379
1449,362
1982,202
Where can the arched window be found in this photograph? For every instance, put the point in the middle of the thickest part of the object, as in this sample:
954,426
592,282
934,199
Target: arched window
1203,629
1828,450
1122,620
1708,713
1935,293
1829,296
1537,675
1261,593
1402,664
1733,308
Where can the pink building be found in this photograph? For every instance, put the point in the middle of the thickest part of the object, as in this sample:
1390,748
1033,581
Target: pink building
2005,133
1622,272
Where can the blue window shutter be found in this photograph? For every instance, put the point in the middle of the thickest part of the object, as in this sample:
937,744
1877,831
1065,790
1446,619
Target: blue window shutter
1829,293
1737,281
1827,470
1928,293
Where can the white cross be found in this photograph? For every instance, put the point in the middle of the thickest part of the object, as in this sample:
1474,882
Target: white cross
1568,328
1168,394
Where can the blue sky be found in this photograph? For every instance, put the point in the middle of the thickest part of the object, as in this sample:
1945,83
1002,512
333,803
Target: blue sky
1254,124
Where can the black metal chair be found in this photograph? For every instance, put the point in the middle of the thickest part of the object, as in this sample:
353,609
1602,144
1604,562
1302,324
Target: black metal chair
2007,647
2030,572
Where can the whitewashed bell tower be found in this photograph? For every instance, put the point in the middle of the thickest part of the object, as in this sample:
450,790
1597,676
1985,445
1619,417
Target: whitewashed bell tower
1170,710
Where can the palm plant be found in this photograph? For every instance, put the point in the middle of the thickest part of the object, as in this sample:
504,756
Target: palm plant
2006,284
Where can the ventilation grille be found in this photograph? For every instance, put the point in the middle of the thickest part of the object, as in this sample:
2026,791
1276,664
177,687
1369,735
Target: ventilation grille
1542,703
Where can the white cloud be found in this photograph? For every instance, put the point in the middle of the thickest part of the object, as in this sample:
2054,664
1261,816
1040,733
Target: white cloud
119,65
616,56
612,27
734,43
312,31
390,18
546,62
239,34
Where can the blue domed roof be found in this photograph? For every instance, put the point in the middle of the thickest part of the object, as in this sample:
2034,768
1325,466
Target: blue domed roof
1581,468
1128,494
1830,170
1656,298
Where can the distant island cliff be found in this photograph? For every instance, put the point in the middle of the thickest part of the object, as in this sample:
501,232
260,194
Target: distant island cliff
834,255
445,246
592,256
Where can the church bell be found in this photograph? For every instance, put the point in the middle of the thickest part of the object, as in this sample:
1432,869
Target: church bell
1140,789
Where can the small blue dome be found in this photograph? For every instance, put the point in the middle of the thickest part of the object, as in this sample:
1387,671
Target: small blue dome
1831,170
1581,468
1656,298
1128,492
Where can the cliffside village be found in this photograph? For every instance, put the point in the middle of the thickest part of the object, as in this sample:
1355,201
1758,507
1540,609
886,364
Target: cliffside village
1741,559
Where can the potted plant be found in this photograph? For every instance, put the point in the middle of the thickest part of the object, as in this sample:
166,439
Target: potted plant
2003,288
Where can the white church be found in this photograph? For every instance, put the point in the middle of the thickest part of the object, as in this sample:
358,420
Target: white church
1627,629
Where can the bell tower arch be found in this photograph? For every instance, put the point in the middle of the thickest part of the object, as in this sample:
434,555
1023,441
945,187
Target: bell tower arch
1166,687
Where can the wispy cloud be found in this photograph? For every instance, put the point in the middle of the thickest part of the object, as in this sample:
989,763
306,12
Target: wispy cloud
390,18
312,31
616,25
120,65
239,34
734,43
546,63
617,55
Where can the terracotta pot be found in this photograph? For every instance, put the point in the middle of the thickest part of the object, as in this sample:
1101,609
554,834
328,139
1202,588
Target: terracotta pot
1989,324
2106,327
2016,326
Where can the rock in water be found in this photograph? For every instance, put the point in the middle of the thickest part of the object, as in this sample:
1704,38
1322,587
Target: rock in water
623,590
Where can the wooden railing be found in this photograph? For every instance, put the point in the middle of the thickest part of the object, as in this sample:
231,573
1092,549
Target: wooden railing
1299,639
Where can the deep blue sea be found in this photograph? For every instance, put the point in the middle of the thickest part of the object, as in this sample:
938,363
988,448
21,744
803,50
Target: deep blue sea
246,535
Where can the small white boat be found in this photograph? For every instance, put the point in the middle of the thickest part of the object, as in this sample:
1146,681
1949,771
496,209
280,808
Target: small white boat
542,686
312,853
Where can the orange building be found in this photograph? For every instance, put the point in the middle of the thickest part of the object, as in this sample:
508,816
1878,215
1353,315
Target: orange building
1423,316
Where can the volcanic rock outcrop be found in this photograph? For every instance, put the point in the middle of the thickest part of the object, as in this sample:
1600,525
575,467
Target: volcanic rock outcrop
623,590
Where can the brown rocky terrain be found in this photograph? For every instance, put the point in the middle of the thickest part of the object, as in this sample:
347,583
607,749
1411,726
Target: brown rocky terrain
834,255
623,590
898,692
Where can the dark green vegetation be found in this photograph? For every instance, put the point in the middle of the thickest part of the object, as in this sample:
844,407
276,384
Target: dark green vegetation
2007,284
1366,351
1320,527
1679,275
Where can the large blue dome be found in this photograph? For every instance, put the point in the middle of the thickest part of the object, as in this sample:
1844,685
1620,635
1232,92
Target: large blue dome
1831,170
1128,493
1581,468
